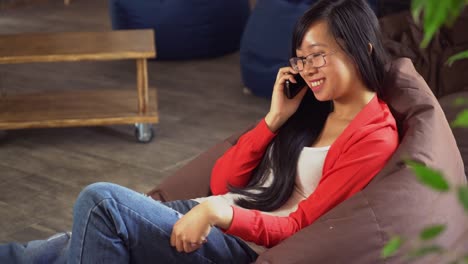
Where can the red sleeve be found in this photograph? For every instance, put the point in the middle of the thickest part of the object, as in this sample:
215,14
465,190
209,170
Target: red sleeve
236,165
352,171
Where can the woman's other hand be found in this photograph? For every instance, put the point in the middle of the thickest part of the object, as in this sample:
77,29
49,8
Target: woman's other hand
282,108
191,231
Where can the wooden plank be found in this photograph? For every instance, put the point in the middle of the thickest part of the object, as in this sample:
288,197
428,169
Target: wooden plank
76,46
75,108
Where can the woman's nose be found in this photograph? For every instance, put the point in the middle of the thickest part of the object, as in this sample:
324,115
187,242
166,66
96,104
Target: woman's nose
310,70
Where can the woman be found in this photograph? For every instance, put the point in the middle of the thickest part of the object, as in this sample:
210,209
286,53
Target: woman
306,156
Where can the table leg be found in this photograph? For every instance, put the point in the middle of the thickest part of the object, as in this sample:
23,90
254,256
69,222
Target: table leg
142,85
143,132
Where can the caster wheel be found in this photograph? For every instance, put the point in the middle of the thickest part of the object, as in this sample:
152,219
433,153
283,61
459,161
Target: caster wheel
144,133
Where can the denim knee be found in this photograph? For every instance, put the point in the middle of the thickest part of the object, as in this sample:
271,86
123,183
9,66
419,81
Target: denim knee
94,194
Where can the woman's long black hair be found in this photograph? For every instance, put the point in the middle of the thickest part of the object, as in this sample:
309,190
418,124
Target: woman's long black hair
353,23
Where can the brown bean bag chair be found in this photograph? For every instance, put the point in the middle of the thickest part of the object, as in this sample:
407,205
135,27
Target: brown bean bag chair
393,203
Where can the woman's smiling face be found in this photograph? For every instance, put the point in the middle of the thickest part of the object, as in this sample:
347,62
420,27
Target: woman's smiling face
339,77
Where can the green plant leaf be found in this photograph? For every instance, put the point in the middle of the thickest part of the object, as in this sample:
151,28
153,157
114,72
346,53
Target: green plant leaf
425,250
431,232
460,101
416,8
428,176
463,197
461,120
391,247
458,56
455,8
435,14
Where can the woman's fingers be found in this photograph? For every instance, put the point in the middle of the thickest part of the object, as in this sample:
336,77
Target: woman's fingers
190,246
281,82
173,239
284,74
179,245
196,246
285,71
187,247
288,76
182,244
291,79
176,239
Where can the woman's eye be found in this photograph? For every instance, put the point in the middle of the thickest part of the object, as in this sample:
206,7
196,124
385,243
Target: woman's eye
317,54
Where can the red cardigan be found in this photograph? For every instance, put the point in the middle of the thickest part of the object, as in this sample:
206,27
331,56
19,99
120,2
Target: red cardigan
355,157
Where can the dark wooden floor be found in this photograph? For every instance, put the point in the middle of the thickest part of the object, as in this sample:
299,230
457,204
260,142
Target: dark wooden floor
43,170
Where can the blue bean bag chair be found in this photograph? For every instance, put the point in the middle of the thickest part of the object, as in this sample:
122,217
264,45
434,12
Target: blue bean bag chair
266,42
185,29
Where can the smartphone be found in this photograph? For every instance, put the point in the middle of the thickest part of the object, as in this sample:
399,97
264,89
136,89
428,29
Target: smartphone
292,89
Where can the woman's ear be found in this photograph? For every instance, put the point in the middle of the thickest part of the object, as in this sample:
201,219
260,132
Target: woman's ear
369,48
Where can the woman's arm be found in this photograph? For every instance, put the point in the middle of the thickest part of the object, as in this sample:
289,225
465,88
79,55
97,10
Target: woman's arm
235,168
236,165
353,171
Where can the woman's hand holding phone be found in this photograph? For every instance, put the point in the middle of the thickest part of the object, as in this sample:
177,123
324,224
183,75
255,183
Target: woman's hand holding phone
282,108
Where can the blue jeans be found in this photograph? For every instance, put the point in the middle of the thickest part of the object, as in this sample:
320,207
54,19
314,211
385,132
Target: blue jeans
113,224
53,250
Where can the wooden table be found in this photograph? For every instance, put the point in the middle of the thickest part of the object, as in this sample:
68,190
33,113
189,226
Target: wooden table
81,108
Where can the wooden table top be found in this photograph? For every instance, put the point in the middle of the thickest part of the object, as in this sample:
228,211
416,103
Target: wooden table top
76,46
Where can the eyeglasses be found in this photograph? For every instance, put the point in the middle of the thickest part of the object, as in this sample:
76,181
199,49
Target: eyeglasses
316,60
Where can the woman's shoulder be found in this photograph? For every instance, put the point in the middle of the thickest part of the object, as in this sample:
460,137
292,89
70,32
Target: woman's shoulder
381,125
375,122
375,116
